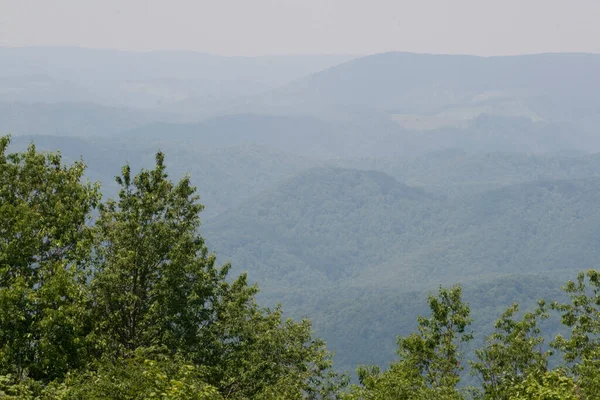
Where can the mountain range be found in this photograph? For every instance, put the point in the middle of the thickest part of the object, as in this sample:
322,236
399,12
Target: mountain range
346,187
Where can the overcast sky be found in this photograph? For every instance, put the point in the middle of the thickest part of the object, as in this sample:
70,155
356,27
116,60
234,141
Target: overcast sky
258,27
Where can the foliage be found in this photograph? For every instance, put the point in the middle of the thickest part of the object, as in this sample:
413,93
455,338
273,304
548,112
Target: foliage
82,305
513,364
552,385
44,241
154,282
143,376
514,351
430,360
582,316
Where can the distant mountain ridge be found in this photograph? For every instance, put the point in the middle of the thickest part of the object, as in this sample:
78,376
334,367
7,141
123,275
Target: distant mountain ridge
389,80
390,104
157,80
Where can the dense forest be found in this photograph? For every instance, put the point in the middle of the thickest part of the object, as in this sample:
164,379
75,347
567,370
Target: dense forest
120,297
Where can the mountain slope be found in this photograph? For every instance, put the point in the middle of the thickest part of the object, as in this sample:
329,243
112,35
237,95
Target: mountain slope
318,227
352,249
331,224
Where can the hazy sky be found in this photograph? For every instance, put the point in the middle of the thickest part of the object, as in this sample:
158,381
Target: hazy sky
254,27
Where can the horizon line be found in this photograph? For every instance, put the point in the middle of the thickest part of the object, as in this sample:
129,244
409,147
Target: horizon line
266,55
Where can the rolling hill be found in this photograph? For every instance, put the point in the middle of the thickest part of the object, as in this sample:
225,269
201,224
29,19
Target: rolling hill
357,245
225,176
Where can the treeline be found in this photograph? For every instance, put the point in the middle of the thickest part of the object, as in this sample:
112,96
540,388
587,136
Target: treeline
121,299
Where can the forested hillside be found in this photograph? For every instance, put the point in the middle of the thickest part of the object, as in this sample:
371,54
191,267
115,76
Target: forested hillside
359,221
332,241
121,298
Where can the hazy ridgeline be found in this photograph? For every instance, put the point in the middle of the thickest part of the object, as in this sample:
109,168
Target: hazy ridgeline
346,187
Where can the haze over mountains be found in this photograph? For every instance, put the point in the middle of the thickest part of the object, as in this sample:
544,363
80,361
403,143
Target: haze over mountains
346,185
179,82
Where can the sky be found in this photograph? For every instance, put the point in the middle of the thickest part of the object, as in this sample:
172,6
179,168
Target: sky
266,27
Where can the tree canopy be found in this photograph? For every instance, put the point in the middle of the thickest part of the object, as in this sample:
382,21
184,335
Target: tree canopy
122,299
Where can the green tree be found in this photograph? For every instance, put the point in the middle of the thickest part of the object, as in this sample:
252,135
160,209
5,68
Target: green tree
144,375
156,286
512,353
44,242
552,385
263,356
582,315
430,359
155,282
